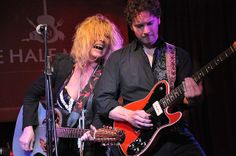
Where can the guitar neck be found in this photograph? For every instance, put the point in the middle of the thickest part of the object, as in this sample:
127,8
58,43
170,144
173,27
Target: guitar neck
211,65
64,132
105,135
178,92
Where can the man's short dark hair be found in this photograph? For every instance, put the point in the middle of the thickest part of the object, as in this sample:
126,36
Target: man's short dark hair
134,7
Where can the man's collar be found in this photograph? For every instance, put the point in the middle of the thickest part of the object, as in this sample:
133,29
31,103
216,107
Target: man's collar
137,44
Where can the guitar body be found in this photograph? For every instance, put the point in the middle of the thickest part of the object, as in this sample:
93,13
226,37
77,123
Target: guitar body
140,141
40,131
17,150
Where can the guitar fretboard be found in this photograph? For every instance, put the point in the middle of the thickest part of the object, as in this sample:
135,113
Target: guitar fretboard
70,132
211,65
178,92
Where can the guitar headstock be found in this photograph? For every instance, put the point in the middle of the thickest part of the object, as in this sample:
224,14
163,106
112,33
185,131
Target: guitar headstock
109,136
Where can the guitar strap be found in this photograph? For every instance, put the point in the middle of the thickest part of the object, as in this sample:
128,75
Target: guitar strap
88,89
164,63
84,101
171,64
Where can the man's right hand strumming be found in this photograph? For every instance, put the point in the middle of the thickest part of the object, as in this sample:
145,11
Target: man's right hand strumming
138,118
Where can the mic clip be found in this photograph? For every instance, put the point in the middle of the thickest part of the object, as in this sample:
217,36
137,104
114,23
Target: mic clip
41,28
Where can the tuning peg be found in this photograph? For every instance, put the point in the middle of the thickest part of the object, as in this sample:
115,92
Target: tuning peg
106,127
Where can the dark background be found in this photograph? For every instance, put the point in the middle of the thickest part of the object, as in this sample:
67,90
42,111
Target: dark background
205,28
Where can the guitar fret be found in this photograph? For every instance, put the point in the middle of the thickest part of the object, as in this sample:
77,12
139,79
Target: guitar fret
209,67
213,65
68,132
221,59
180,89
172,97
217,61
167,99
226,55
205,71
176,94
73,133
162,102
77,133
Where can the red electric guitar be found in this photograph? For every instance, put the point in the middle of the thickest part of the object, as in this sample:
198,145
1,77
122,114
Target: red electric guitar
157,103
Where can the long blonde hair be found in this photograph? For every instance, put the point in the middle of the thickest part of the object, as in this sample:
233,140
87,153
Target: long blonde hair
91,30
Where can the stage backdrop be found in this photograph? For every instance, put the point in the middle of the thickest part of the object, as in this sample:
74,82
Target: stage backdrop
22,49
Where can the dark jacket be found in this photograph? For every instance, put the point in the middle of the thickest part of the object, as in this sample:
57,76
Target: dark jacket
62,67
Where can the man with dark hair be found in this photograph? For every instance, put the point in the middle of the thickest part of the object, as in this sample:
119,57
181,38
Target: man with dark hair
133,71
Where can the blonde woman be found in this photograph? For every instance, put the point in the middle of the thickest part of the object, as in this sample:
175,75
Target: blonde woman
73,80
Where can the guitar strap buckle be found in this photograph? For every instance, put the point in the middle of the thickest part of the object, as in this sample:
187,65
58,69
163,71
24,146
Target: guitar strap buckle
81,125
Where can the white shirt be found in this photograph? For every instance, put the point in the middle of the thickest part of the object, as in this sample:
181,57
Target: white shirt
149,52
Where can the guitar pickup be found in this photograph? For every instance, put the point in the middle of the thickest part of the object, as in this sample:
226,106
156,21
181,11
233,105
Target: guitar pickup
157,108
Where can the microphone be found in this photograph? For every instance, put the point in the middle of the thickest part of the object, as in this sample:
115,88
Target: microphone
40,28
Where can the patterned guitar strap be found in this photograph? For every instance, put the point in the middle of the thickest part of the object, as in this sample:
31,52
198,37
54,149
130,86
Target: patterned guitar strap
165,68
164,65
83,99
88,89
171,64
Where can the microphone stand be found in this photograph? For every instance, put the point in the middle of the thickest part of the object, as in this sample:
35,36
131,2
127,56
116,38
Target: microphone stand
50,114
